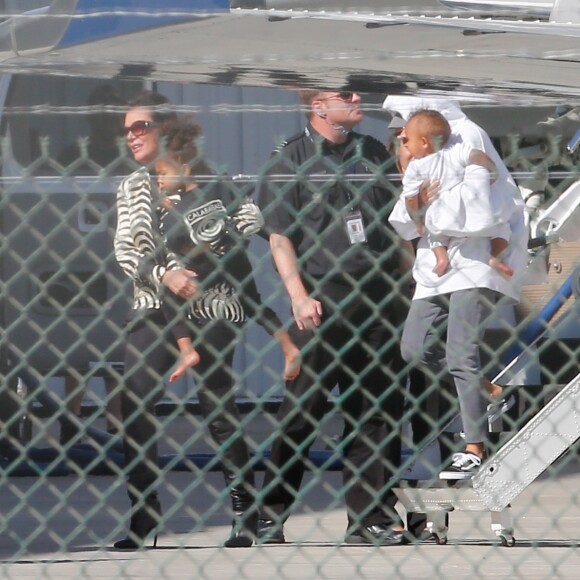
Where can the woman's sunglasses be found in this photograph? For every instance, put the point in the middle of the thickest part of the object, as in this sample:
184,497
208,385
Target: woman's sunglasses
138,128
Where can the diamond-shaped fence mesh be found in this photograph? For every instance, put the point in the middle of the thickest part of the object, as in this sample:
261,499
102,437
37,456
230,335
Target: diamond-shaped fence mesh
98,444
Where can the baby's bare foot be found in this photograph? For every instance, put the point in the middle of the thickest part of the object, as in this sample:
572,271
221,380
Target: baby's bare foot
187,361
441,267
501,267
291,364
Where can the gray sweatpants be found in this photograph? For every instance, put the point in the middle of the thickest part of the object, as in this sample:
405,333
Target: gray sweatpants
444,333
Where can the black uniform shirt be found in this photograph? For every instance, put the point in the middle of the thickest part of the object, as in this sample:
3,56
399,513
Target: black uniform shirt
312,214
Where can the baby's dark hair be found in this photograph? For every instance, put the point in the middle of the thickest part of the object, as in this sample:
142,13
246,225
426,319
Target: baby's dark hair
433,125
181,141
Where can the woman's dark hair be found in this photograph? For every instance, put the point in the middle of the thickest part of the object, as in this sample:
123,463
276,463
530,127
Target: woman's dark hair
181,142
160,108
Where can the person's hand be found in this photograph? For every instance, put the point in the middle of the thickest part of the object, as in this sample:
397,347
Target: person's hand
307,313
181,282
429,191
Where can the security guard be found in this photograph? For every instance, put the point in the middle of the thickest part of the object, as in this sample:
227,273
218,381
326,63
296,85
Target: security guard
334,251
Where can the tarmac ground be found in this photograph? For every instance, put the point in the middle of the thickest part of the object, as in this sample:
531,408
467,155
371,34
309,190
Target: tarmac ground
63,527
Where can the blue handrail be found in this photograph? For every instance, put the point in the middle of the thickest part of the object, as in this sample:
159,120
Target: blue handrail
539,325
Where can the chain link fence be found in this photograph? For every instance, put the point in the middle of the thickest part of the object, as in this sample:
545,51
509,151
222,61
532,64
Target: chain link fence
64,303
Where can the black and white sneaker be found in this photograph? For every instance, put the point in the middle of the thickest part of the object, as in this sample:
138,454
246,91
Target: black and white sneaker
498,408
464,466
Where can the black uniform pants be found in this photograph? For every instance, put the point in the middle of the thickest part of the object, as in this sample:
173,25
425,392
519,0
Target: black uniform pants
355,349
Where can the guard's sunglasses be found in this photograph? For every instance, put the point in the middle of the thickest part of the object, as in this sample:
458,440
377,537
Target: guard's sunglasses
343,96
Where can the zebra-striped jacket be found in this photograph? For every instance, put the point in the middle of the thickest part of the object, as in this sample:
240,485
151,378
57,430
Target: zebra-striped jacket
143,252
136,243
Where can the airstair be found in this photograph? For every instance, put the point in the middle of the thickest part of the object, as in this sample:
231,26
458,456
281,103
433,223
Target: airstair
546,436
505,475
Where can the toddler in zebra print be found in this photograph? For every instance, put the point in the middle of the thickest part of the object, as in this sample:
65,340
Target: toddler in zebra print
205,226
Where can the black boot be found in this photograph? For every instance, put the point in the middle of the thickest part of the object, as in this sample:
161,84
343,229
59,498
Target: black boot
245,524
144,519
224,427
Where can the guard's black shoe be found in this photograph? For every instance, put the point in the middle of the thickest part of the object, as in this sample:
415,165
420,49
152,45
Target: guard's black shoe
269,532
424,537
376,534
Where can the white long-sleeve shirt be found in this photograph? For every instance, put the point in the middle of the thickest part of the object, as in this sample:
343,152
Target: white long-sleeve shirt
469,256
459,211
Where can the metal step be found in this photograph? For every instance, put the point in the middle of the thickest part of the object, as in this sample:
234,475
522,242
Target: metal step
532,450
438,496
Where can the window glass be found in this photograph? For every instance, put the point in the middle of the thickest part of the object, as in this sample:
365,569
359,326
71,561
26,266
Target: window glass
65,125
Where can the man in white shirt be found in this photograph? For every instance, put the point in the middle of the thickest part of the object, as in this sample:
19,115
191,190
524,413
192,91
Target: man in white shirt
457,305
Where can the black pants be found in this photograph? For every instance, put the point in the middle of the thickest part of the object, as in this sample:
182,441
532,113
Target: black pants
11,407
355,349
150,353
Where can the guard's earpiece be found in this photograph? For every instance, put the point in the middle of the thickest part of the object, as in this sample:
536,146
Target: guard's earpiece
320,114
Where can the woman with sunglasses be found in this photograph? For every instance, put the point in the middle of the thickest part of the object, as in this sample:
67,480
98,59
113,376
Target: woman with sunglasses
157,321
149,351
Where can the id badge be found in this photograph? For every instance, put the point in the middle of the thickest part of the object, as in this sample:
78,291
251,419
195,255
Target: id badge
355,227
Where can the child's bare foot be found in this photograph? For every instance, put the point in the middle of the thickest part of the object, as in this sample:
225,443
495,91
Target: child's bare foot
501,267
441,266
291,363
186,361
